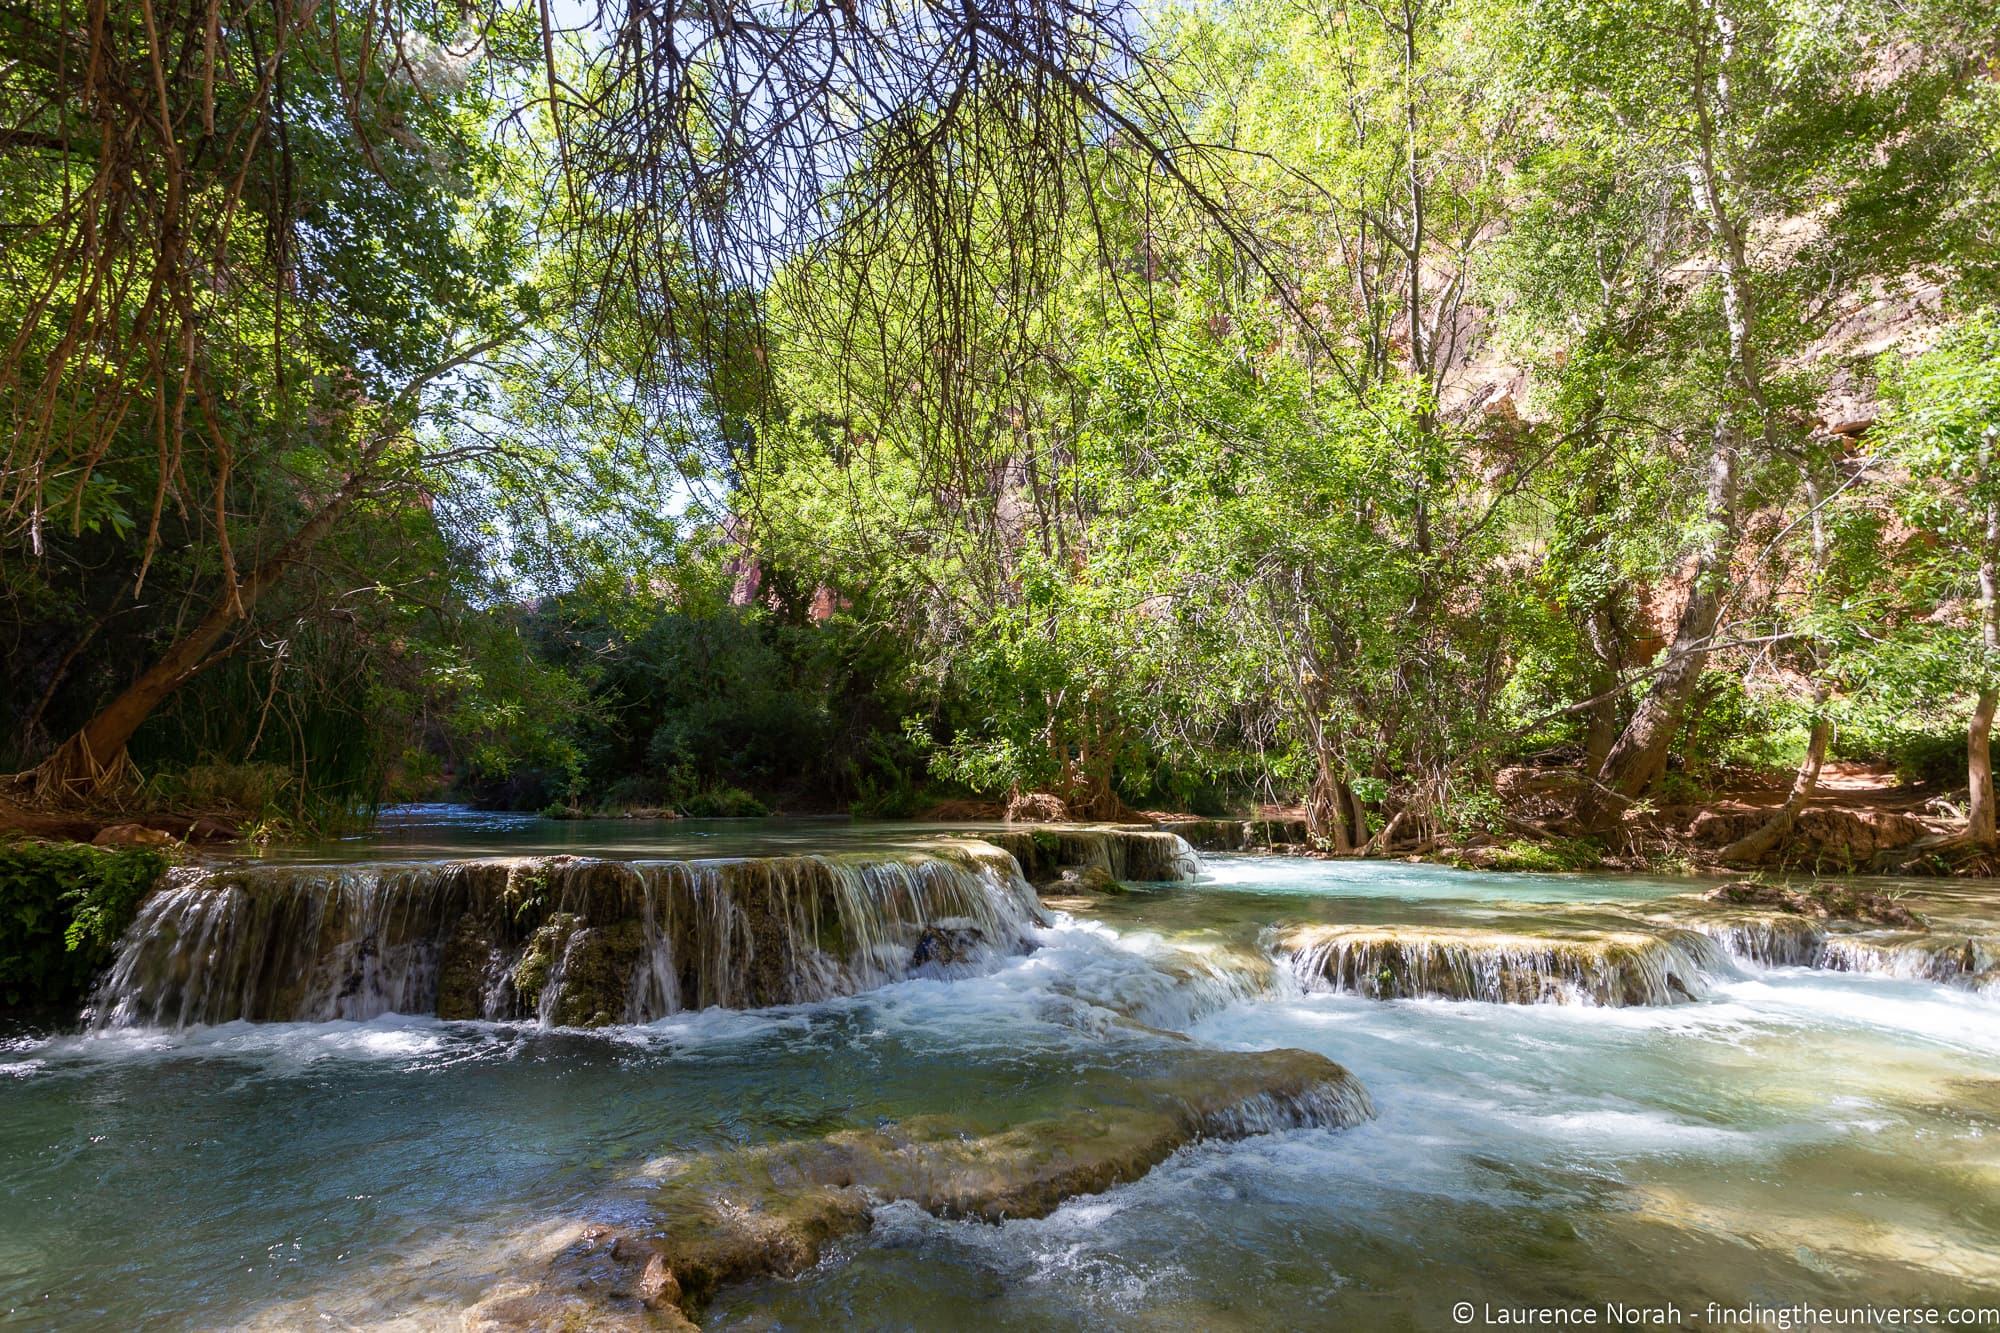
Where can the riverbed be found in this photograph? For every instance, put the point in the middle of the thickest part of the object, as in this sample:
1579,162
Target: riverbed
1772,1135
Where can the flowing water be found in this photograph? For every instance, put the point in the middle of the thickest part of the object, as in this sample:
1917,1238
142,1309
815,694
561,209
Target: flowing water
1584,1090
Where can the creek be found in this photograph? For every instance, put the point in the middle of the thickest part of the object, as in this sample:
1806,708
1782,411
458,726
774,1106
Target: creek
1028,1112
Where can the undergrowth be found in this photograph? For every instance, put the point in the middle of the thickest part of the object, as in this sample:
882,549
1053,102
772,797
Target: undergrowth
62,908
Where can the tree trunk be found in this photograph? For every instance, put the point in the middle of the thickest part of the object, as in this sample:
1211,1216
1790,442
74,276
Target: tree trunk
93,761
1357,815
1979,736
1979,769
1327,807
1639,757
1766,837
1601,727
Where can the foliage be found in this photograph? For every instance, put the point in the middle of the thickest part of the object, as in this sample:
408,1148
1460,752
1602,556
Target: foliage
62,908
1499,392
1552,857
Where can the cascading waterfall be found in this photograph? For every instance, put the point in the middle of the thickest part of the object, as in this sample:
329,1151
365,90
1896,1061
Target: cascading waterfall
1967,961
564,939
1767,941
1604,968
1143,855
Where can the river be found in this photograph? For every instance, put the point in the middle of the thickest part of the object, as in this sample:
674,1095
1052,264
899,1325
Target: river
1750,1134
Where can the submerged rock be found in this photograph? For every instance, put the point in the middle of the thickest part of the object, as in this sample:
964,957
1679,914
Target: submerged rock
614,1281
1074,880
1612,968
771,1209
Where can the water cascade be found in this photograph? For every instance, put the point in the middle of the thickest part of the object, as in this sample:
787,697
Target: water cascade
569,940
1144,855
1611,968
1969,961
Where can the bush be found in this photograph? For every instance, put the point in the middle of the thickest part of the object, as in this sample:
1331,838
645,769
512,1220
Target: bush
1553,857
62,908
248,789
724,803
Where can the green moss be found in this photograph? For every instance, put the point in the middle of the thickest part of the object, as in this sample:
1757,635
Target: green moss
597,974
531,974
62,908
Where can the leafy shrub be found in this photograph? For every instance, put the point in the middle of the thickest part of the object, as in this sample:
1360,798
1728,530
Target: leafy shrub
62,909
249,789
1545,857
724,803
1728,727
637,790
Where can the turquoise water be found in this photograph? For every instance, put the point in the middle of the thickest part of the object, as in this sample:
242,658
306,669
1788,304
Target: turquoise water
1795,1135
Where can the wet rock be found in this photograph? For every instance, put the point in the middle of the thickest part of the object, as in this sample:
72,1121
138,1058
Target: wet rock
606,1279
1610,968
1276,833
658,1287
133,835
470,968
210,829
1971,962
772,1209
1768,939
1073,881
959,808
1210,835
1239,835
592,982
538,960
1148,855
947,945
569,939
1826,901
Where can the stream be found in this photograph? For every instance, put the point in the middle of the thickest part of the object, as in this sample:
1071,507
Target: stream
253,1132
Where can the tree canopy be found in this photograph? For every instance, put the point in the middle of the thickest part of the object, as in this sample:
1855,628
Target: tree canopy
872,404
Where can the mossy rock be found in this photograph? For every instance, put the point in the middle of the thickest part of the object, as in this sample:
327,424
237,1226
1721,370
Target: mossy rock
597,964
469,963
538,960
1075,880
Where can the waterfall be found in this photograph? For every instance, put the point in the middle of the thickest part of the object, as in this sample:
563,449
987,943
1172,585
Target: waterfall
567,940
1611,968
1768,941
1150,856
1971,962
